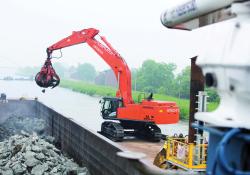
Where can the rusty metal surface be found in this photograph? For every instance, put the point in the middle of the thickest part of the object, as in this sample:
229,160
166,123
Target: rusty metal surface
150,149
196,85
214,17
208,19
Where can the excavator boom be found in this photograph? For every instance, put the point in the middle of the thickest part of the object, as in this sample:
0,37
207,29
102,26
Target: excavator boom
105,51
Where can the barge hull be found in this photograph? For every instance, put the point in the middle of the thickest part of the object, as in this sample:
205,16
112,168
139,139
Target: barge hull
87,148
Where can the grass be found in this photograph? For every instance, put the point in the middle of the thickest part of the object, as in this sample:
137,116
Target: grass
87,88
98,90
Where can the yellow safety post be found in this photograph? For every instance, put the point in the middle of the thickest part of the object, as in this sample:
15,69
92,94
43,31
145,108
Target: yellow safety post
184,158
190,155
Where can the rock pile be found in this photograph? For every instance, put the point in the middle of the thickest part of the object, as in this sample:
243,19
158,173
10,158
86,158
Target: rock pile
15,124
29,154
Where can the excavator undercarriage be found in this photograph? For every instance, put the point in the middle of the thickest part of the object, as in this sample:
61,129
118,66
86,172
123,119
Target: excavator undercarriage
117,131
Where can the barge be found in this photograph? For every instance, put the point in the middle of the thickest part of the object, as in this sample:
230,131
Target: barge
100,155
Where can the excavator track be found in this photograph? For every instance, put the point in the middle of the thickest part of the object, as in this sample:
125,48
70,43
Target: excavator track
148,131
112,130
143,130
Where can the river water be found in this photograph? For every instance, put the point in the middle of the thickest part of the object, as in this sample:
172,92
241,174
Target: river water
79,107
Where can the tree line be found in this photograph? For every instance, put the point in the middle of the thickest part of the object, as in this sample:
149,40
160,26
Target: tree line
85,72
152,76
160,78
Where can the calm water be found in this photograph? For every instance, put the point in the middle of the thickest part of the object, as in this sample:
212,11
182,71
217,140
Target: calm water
81,108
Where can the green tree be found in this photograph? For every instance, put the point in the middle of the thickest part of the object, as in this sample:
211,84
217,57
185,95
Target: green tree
182,83
212,95
85,72
134,72
155,77
168,84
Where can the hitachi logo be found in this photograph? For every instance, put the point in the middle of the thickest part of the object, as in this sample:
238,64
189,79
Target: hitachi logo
172,110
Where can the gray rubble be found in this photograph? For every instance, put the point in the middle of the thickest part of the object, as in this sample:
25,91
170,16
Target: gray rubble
25,149
29,154
16,124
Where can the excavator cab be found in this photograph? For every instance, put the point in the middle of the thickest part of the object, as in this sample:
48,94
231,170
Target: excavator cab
109,107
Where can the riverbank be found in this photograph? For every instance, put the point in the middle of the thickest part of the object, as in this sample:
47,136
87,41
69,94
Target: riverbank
97,90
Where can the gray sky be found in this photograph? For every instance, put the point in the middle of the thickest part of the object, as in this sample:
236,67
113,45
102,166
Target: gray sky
134,29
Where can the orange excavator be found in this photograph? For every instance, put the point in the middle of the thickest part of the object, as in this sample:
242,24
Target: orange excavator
125,117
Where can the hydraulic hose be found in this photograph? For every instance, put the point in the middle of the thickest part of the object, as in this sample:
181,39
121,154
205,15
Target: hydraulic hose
221,152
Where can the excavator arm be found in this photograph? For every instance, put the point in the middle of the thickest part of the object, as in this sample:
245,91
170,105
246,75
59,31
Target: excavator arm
104,50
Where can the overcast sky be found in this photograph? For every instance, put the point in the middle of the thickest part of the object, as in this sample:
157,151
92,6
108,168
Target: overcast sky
133,28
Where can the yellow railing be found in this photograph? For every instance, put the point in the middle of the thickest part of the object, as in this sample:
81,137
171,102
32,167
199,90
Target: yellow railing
186,155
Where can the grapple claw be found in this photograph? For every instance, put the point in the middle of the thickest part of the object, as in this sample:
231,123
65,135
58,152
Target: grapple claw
47,76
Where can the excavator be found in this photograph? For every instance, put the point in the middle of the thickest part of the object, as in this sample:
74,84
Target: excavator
124,116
